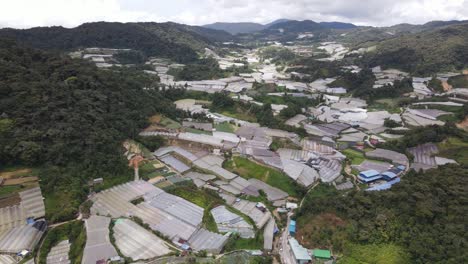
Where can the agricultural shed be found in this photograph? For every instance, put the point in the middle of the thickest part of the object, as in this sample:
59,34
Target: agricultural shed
33,202
268,234
7,259
98,245
23,237
250,209
228,221
388,155
136,242
300,253
180,151
175,163
59,253
272,193
208,241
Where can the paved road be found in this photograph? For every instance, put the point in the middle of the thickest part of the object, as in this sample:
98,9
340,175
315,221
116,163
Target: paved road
285,253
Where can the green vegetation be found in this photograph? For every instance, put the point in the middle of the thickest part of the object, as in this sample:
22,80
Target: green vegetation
236,242
427,52
391,123
316,69
354,156
150,144
375,253
454,148
277,55
207,199
249,169
460,81
168,40
225,127
436,85
71,121
203,69
169,123
74,232
5,190
283,143
423,207
423,135
130,57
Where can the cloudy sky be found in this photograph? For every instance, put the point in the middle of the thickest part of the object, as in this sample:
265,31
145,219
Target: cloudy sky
70,13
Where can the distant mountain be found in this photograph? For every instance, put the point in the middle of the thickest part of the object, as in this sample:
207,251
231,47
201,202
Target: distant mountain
171,40
443,48
338,25
236,28
296,26
281,20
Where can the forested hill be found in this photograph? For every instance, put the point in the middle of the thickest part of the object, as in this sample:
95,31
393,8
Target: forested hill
425,53
59,111
420,220
171,40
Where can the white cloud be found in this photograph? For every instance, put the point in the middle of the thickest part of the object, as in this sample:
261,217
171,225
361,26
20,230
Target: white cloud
70,13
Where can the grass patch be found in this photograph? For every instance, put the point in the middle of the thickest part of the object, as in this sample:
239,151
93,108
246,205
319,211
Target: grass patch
74,232
169,123
60,206
225,127
454,148
240,115
391,105
197,131
283,143
207,199
236,242
6,190
249,169
355,156
374,253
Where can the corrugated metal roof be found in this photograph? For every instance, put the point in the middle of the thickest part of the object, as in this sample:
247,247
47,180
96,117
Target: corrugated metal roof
300,253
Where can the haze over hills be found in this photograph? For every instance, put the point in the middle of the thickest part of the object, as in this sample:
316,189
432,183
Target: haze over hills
294,25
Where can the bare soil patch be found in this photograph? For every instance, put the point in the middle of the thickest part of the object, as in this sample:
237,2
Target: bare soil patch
14,174
20,180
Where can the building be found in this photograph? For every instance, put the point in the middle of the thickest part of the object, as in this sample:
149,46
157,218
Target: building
369,176
388,175
292,227
299,252
322,254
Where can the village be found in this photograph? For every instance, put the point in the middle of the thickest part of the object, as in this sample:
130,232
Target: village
226,183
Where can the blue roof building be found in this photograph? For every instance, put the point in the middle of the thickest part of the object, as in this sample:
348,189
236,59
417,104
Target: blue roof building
292,227
369,176
401,167
388,175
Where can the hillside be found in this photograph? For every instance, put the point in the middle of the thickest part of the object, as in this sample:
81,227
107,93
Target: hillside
427,52
171,40
236,28
389,226
369,36
70,118
337,25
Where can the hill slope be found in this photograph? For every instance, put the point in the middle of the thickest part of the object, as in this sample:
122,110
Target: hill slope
170,40
69,119
427,52
425,207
